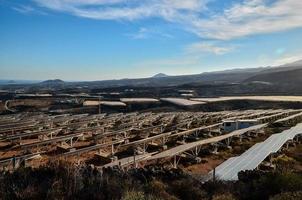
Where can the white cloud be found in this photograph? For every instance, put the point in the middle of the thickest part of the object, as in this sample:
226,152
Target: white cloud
124,9
194,5
241,19
141,34
286,59
24,9
208,47
279,59
251,17
145,33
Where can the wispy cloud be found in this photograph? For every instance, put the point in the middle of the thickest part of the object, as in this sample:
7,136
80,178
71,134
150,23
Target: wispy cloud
279,59
124,9
241,19
251,17
208,47
145,33
25,9
289,58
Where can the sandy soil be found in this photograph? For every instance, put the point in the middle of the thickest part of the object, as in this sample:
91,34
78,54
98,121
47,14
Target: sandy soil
204,168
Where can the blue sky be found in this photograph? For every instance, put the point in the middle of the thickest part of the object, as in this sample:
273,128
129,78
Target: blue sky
112,39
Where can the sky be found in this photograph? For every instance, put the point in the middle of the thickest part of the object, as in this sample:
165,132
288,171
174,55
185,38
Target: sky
114,39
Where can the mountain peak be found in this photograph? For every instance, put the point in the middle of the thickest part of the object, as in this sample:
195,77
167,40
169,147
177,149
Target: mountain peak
160,75
52,82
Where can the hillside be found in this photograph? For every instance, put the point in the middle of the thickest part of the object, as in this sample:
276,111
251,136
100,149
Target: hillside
204,78
286,67
292,77
241,75
54,81
285,79
286,82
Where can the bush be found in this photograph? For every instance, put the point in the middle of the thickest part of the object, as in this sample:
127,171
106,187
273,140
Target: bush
268,184
227,196
158,189
288,196
187,189
133,195
61,180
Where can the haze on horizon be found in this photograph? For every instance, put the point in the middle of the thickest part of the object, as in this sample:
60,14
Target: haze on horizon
112,39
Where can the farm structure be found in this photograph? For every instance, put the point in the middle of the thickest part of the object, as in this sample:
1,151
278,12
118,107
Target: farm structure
122,139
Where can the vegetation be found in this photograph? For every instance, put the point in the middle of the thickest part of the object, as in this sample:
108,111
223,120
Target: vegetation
61,180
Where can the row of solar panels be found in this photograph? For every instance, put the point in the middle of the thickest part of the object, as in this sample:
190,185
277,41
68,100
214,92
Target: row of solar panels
253,157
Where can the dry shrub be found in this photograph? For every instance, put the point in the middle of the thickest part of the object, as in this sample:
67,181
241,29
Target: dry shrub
61,180
226,196
288,196
133,195
187,189
158,189
137,195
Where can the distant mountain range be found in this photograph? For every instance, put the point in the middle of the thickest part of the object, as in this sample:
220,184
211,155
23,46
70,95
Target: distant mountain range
233,76
6,82
284,78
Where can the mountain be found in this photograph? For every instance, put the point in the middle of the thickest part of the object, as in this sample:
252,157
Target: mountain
52,83
160,75
283,75
10,82
233,76
286,67
286,78
240,70
279,77
159,80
